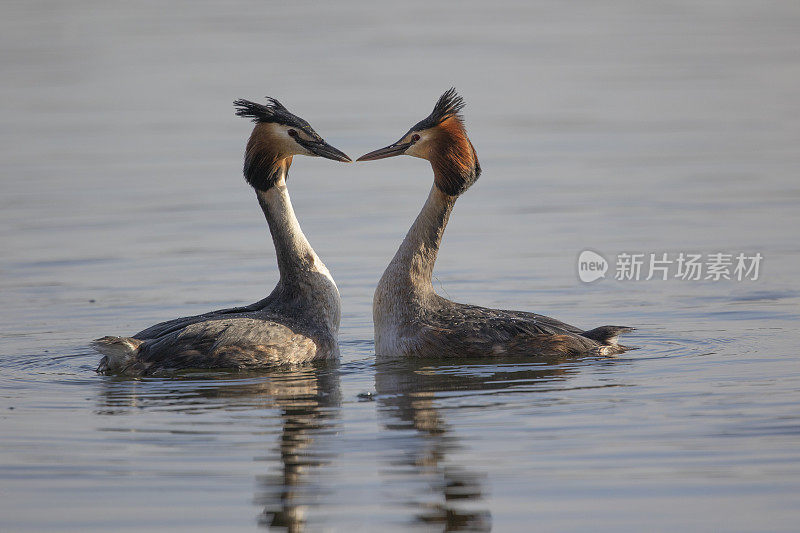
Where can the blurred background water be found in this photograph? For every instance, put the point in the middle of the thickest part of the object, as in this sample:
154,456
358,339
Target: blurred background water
612,126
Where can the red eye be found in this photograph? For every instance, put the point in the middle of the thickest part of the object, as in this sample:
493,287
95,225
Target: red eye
414,138
292,133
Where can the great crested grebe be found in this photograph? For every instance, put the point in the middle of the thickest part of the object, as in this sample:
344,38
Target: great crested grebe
410,318
298,322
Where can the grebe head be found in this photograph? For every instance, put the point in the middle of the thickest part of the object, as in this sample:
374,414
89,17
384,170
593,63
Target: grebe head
277,136
441,139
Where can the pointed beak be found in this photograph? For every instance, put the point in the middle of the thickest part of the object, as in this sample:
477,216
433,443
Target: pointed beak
389,151
323,149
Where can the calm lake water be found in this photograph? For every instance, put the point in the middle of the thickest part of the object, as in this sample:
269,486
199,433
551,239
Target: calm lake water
650,127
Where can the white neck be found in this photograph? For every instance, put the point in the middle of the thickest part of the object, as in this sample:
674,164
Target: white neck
291,246
411,268
304,278
405,287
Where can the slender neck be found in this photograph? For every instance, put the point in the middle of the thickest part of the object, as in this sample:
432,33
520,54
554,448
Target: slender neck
295,255
414,261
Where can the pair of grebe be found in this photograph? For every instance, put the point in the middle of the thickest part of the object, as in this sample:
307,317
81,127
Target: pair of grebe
299,321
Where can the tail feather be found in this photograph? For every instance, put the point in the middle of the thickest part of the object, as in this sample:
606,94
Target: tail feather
119,352
608,335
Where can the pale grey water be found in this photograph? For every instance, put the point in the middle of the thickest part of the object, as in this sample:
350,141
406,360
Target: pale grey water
613,126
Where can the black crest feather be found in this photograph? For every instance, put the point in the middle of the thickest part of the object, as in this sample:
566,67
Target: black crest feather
272,111
449,105
259,112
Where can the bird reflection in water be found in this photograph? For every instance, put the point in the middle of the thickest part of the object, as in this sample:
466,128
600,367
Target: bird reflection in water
411,395
309,409
307,402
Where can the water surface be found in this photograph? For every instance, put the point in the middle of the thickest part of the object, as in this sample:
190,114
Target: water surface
649,127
